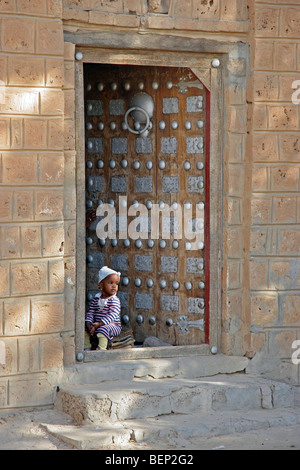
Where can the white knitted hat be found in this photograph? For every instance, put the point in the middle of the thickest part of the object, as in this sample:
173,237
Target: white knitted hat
105,271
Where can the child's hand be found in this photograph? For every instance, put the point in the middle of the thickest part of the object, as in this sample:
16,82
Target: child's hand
95,327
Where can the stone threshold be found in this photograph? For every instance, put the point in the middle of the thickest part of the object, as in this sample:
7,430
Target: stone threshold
147,353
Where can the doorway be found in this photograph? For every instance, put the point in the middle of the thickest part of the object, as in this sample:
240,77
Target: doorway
147,176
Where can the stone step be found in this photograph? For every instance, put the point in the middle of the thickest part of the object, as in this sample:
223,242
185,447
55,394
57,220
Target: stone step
124,400
156,367
173,431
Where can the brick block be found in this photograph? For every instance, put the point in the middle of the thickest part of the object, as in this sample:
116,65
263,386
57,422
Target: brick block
27,71
32,7
10,241
285,178
234,275
235,10
282,342
290,308
20,101
55,75
234,239
259,178
54,8
16,316
23,205
29,278
11,359
286,86
260,119
259,241
7,6
57,276
261,210
290,22
19,169
53,240
51,168
266,87
284,56
183,10
6,198
52,352
234,211
69,100
206,9
47,314
26,391
283,117
28,354
18,35
35,133
265,147
52,102
285,274
31,242
49,38
264,53
284,209
264,309
17,133
267,21
4,133
288,241
4,279
3,390
235,182
258,274
59,132
289,147
107,5
49,204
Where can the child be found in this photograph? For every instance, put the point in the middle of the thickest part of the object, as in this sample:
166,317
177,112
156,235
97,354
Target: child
103,316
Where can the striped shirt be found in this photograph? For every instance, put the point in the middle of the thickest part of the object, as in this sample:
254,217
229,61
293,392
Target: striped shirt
109,314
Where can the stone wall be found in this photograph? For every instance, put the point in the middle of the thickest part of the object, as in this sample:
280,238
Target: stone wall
260,283
275,237
37,206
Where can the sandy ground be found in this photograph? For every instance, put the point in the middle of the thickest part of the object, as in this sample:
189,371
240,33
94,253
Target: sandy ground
23,430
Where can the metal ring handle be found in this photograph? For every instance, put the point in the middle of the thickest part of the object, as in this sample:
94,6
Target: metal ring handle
137,108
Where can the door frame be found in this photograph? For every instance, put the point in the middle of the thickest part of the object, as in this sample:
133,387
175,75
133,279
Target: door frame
105,49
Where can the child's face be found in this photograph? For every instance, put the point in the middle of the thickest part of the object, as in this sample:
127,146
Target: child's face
109,285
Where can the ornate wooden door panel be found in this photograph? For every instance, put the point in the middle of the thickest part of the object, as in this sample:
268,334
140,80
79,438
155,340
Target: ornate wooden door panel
163,288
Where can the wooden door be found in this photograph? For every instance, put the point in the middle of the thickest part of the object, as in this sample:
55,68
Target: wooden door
164,285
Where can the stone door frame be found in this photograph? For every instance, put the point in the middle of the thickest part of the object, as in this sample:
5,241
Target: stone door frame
200,57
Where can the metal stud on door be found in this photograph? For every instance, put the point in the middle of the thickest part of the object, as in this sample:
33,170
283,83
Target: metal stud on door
146,160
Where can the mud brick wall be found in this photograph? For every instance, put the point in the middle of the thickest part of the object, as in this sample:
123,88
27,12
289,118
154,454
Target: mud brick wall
37,205
275,237
261,235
